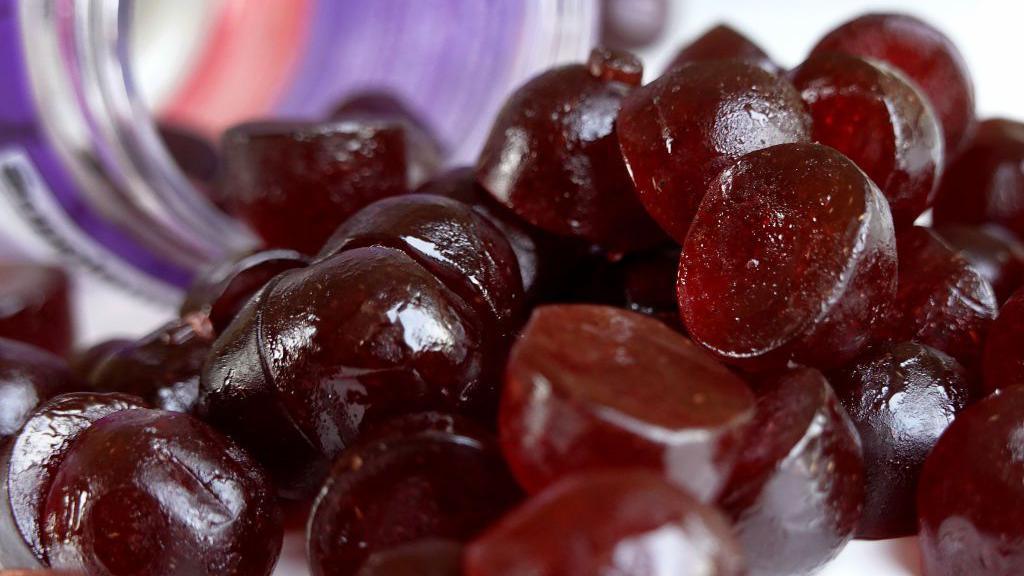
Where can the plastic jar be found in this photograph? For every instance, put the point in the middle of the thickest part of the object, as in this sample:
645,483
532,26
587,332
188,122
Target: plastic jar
82,82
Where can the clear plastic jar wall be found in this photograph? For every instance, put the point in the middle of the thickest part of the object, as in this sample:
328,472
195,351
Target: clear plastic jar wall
83,170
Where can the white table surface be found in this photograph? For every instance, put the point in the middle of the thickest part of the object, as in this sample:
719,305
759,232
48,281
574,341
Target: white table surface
987,32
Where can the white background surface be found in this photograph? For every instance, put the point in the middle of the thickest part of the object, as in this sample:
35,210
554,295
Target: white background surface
987,32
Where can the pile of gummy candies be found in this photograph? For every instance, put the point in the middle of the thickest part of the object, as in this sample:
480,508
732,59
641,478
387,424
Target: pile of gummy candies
681,328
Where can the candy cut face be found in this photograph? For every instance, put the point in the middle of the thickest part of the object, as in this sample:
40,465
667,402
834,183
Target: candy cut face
221,291
993,251
553,159
791,256
424,153
723,43
625,523
901,398
985,183
30,461
971,492
796,492
678,132
942,301
162,368
35,306
921,52
294,183
1003,359
159,493
29,376
386,492
594,387
461,248
873,115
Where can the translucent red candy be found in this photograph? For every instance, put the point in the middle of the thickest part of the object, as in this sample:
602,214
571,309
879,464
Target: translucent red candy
29,462
355,338
991,250
985,183
678,132
870,113
196,156
552,156
593,387
625,523
543,257
461,248
237,397
795,494
35,306
29,376
1003,358
971,492
221,291
386,492
162,368
159,493
921,52
901,398
294,183
424,153
422,558
791,256
723,43
942,301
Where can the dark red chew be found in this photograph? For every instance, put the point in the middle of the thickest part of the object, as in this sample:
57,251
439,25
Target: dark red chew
386,492
461,248
873,115
29,376
723,42
921,52
901,398
222,290
431,557
35,306
626,523
796,492
237,397
678,132
162,367
424,152
543,258
971,492
791,257
593,387
1003,356
553,159
30,461
993,251
83,362
985,183
294,183
159,493
942,301
356,338
196,156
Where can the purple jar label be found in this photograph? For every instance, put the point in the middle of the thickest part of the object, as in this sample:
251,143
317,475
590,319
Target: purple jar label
41,229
